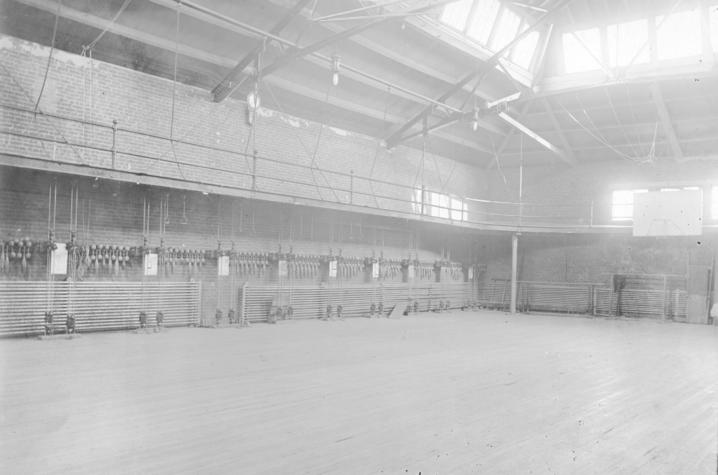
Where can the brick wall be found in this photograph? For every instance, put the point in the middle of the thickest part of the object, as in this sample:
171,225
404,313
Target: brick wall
111,213
210,139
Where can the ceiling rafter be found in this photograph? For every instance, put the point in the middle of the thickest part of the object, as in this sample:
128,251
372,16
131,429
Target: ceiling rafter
479,72
231,80
220,20
203,55
344,34
507,139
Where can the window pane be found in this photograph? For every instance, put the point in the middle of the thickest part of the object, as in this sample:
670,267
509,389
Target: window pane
455,14
524,50
483,21
622,212
581,50
457,210
416,201
622,204
678,35
444,206
713,15
506,29
628,41
623,197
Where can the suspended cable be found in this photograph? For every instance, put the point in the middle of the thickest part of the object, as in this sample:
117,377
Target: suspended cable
174,93
498,162
30,100
377,148
92,44
598,138
296,134
49,57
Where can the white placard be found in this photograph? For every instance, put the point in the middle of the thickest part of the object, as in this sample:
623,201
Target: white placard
471,273
282,268
58,261
332,268
223,266
411,272
151,264
375,270
668,213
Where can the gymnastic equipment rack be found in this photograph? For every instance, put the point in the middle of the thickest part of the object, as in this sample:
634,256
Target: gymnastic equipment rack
97,306
599,299
311,301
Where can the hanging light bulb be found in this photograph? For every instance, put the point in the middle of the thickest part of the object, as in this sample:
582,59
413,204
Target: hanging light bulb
335,70
253,102
475,121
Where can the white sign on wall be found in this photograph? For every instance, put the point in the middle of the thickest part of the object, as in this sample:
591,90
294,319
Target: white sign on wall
411,272
151,264
223,266
58,260
471,273
332,268
375,270
282,268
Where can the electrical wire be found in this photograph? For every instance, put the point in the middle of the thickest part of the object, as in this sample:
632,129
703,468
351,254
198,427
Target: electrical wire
92,44
25,93
174,92
312,166
597,137
377,148
49,57
629,142
498,162
304,146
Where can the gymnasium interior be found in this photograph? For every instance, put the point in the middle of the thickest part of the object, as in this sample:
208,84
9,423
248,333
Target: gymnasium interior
359,236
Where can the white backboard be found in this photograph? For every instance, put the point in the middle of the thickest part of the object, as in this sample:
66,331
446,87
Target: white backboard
668,213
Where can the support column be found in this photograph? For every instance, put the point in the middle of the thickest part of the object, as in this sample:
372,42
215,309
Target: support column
514,270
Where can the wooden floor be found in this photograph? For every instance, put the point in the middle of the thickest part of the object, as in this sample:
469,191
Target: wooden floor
474,392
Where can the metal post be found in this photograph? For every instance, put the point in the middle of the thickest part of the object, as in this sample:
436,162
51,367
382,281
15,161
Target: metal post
254,171
199,303
351,187
243,306
514,270
665,292
114,141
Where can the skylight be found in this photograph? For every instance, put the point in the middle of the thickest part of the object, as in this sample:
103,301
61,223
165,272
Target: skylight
493,25
456,13
506,29
628,43
678,35
582,50
523,52
483,20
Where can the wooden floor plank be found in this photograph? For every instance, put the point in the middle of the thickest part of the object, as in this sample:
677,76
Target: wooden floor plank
463,392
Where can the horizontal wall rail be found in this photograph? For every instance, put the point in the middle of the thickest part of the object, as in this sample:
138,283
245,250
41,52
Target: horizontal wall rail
97,306
63,139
